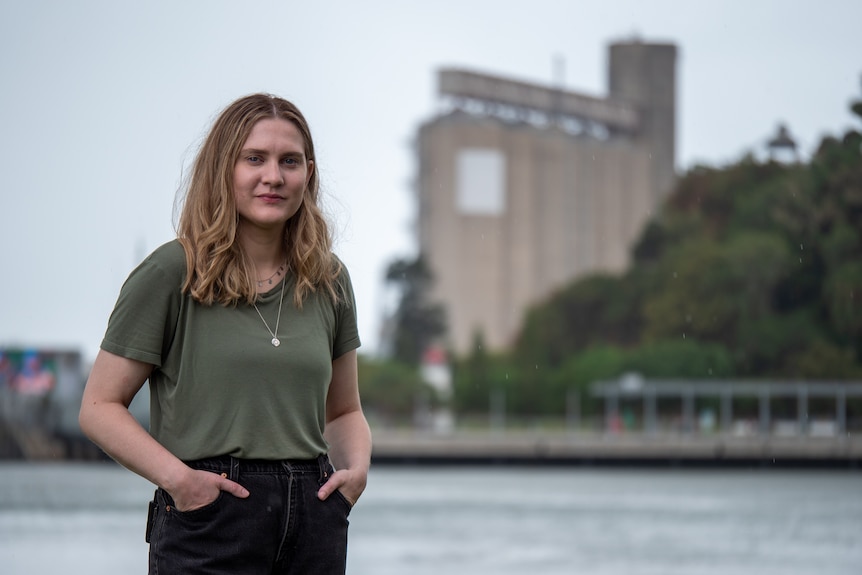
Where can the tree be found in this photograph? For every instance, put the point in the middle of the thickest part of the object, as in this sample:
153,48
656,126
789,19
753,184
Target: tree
389,389
680,358
757,262
416,321
599,309
480,374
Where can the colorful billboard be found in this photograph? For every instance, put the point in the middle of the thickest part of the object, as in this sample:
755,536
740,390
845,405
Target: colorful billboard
28,372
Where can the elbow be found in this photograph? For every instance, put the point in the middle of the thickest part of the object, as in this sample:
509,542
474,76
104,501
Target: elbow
85,420
346,414
90,416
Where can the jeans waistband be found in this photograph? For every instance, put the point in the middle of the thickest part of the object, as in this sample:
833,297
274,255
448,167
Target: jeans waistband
232,465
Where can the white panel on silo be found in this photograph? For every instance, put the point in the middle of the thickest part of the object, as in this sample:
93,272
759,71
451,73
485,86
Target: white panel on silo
481,182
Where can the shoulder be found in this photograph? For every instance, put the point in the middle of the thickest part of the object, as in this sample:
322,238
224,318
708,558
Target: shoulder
340,272
169,254
169,258
339,268
343,283
164,267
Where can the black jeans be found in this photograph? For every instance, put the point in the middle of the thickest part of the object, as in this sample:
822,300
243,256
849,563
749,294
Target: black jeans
281,528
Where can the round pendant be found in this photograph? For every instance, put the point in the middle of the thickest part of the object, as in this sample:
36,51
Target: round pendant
276,342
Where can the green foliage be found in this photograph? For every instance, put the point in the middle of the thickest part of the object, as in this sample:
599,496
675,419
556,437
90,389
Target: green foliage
693,296
712,291
389,389
824,360
417,323
751,270
476,376
843,291
764,346
597,363
680,358
604,308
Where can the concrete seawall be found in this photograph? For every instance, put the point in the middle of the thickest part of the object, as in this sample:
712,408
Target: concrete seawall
616,449
536,448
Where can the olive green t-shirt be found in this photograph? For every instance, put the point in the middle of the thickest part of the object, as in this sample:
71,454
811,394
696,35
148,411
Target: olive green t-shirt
219,386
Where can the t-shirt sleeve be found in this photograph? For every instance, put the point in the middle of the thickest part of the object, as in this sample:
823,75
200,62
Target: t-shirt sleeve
346,337
143,322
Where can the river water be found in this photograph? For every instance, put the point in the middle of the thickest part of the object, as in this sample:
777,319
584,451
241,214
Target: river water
89,519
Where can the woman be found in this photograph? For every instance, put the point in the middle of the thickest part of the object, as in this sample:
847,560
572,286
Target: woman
250,395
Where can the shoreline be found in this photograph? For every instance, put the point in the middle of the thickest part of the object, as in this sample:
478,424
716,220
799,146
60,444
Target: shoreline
622,449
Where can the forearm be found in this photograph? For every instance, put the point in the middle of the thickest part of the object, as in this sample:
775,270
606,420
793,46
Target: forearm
111,427
349,438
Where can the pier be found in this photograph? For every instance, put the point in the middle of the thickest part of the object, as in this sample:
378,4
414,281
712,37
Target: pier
609,449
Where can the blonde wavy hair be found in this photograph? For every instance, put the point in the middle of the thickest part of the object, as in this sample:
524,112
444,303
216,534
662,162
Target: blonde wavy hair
218,270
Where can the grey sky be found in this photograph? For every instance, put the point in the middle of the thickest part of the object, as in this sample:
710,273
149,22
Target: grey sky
104,102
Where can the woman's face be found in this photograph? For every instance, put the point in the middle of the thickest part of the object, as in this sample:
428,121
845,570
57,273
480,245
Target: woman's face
271,174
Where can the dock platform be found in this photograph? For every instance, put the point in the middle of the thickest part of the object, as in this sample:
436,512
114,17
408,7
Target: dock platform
636,449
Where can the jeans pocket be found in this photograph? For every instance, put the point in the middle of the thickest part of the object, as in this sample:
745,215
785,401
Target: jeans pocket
201,513
204,513
341,497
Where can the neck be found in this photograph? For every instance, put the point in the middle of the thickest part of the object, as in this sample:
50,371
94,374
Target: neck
264,248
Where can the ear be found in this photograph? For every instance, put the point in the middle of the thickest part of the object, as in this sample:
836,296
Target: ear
310,172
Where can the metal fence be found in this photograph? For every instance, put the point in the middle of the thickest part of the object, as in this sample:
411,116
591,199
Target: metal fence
632,389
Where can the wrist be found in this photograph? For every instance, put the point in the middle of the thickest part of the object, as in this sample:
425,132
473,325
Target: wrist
175,477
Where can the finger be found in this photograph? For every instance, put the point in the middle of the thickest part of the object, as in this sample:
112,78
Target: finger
233,488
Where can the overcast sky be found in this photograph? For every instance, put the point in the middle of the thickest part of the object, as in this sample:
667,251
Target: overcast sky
104,103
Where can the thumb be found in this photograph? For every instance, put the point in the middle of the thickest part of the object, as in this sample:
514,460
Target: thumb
330,486
233,488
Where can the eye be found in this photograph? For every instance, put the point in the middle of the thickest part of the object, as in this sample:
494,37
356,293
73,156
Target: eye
290,161
254,159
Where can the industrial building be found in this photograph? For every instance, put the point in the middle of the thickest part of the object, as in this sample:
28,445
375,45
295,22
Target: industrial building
523,187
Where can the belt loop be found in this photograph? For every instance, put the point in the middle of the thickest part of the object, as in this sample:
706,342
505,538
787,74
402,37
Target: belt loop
323,465
234,469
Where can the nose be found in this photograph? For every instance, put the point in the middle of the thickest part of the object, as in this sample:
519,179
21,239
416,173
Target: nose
272,174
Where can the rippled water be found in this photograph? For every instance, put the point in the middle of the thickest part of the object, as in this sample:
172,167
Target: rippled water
89,518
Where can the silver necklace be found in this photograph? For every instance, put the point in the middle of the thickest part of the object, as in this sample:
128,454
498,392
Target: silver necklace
275,341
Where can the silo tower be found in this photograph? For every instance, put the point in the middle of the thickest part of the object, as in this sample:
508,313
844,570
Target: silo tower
644,75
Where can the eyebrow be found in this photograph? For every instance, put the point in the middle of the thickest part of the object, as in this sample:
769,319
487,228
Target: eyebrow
258,152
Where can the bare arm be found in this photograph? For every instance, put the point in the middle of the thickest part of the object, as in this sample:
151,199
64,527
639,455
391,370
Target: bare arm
105,419
347,431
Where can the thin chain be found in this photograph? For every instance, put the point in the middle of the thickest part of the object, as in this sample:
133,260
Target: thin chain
275,273
275,341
